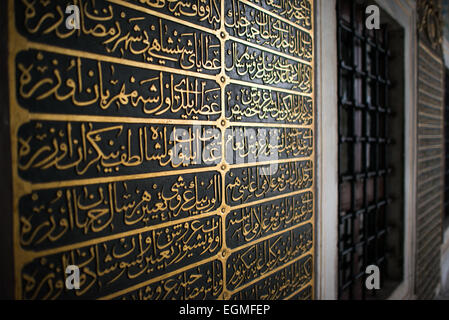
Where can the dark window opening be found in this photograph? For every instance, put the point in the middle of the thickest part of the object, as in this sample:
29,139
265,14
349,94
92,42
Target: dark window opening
371,153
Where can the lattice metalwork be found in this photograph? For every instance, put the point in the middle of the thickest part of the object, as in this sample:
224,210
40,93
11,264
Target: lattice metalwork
364,114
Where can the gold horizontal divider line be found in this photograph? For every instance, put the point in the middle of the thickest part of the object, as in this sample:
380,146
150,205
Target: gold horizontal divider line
427,237
421,113
430,53
436,85
429,158
428,190
425,181
162,15
270,236
439,83
428,63
427,256
138,176
136,120
427,74
310,283
432,82
430,147
156,279
431,95
30,255
122,61
281,196
427,104
428,169
293,24
267,49
89,181
428,140
430,208
270,125
428,201
430,58
424,225
431,136
119,119
426,176
272,272
429,125
267,87
264,163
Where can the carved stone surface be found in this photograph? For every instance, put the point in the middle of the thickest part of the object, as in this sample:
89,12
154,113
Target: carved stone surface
430,168
430,22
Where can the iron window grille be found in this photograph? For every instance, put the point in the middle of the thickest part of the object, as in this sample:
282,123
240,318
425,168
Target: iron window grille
364,141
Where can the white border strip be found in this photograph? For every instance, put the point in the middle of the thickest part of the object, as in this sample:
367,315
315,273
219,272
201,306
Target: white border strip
326,103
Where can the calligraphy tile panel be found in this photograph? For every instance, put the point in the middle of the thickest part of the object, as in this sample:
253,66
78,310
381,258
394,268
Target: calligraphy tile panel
56,83
113,265
166,148
50,150
58,217
117,31
245,103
